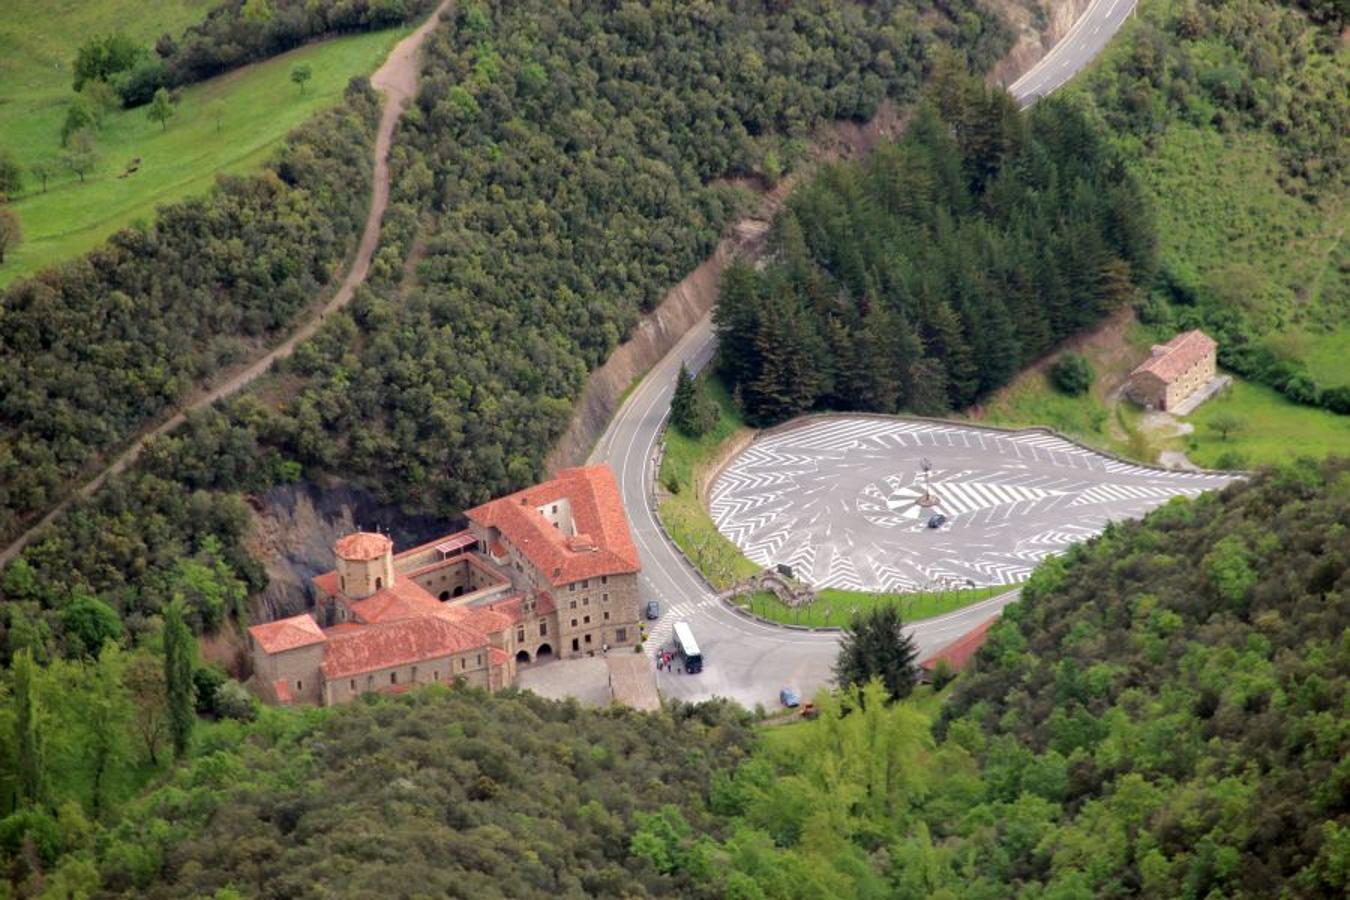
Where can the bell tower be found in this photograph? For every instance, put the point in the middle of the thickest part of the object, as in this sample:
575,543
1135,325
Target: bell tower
365,563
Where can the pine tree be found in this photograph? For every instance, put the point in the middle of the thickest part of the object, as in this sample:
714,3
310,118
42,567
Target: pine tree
27,741
179,653
736,320
684,403
875,645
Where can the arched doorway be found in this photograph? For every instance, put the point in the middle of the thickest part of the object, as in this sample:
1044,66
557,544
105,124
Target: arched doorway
459,589
445,595
523,656
544,651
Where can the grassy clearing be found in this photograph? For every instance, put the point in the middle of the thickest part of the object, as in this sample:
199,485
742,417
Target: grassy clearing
835,607
1272,429
1222,213
257,106
687,460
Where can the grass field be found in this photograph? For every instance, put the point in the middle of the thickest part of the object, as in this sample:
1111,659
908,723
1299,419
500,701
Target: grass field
835,607
1272,429
683,514
258,105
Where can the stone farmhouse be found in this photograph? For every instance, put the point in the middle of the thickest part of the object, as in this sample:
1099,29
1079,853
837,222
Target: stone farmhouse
550,571
1174,371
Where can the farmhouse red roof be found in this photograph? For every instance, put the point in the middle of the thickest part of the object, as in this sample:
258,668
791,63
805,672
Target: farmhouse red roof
287,634
1171,360
396,644
363,545
606,547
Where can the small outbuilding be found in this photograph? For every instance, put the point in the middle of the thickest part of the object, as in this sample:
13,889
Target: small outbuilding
1174,371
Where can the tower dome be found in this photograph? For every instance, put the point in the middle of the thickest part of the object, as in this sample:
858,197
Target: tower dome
365,563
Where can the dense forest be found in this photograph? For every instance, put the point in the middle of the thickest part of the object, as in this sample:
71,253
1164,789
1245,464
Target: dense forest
547,213
1234,67
98,347
930,274
571,162
1162,715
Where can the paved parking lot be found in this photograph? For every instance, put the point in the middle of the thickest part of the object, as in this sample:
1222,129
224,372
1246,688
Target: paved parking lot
838,499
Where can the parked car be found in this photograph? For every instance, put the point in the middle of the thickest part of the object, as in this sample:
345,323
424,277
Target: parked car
653,609
937,520
789,698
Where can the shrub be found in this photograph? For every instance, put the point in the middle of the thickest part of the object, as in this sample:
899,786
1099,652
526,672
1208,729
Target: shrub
1071,374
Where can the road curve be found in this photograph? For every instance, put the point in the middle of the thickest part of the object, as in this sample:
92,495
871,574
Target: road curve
397,80
747,660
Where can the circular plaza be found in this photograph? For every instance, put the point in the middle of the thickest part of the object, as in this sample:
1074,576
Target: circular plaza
886,504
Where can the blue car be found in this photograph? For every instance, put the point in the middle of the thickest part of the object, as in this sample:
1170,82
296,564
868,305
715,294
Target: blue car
789,698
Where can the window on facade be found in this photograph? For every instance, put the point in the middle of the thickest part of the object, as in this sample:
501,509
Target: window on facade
370,682
543,629
574,623
299,685
585,583
588,638
604,579
576,645
435,674
572,605
379,583
393,678
353,684
555,509
572,586
587,620
585,601
604,598
480,660
414,673
343,579
606,616
620,635
463,664
520,634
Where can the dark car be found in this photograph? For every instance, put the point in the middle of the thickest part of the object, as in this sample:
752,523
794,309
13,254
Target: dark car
789,697
937,520
653,609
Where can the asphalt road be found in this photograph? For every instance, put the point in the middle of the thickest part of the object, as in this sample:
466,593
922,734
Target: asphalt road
745,660
1093,30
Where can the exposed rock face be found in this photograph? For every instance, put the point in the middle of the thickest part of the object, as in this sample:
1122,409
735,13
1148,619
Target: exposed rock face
295,527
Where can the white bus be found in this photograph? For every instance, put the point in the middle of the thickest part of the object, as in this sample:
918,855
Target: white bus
688,647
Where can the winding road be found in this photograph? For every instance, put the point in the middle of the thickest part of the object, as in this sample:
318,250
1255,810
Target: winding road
748,660
397,80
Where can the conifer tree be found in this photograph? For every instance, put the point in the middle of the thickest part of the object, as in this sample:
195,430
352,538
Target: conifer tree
875,645
179,653
684,403
27,741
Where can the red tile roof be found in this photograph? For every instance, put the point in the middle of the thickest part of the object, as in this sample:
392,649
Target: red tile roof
602,545
363,545
327,583
498,657
404,599
513,607
958,652
1173,359
287,634
396,644
483,619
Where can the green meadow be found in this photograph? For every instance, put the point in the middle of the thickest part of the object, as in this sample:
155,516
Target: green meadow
226,125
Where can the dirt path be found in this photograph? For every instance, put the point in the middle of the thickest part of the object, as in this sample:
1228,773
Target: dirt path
397,80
